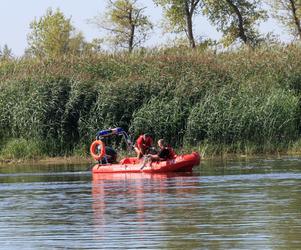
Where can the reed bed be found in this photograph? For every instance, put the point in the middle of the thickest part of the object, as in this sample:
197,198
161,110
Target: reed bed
244,101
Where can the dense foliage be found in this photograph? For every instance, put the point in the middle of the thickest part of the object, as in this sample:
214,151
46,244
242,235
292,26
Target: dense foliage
245,97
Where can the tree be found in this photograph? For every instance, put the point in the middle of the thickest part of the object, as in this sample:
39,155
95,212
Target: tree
5,53
126,23
53,35
179,16
78,45
288,12
236,19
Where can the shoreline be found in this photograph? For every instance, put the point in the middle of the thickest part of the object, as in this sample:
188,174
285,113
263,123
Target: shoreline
77,160
64,160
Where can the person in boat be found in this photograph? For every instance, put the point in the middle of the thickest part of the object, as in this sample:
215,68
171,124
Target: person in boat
143,145
110,156
166,152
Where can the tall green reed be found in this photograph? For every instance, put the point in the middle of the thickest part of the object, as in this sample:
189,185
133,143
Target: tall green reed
237,98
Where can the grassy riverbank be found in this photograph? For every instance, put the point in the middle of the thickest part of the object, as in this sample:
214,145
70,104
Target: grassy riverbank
208,152
243,102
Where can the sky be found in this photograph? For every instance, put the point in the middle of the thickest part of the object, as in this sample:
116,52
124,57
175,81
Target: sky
16,16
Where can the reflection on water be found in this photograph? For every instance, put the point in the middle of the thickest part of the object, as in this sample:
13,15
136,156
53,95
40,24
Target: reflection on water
232,211
224,205
134,205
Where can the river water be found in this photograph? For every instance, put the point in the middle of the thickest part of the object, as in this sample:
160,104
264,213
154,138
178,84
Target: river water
250,204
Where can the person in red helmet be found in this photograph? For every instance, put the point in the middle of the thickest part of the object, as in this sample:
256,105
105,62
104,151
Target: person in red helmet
143,145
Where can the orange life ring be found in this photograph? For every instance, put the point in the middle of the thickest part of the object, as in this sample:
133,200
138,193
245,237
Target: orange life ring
94,148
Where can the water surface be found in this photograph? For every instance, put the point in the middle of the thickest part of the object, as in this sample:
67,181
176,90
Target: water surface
251,204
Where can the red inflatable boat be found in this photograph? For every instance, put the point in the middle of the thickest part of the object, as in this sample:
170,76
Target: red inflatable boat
181,163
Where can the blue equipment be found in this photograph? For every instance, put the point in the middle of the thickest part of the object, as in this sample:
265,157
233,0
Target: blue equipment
115,131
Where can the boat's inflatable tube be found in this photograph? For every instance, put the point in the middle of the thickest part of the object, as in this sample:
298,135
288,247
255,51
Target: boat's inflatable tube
181,163
94,149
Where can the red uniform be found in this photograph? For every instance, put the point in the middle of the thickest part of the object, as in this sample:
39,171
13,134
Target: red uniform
144,144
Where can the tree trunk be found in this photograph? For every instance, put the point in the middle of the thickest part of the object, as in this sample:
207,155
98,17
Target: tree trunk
190,32
132,32
295,16
188,15
242,34
131,40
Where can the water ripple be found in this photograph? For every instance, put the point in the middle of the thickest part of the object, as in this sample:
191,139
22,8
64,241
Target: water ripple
74,210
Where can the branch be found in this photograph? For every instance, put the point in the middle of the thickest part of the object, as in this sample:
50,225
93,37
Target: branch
194,5
295,16
241,28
